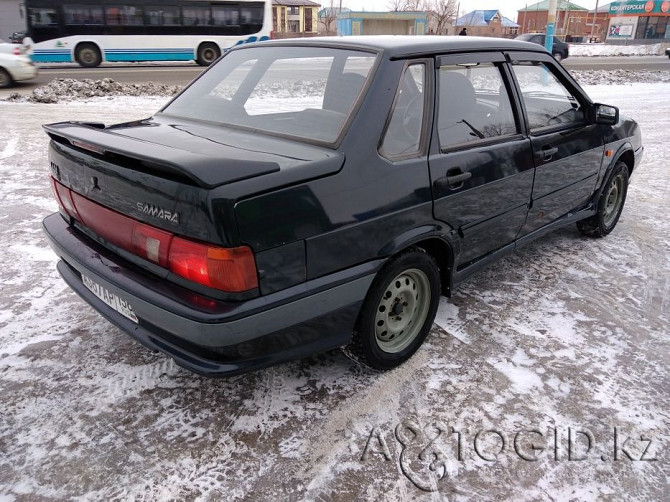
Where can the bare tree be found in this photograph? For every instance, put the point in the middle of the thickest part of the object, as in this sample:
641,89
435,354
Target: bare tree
406,5
444,12
329,18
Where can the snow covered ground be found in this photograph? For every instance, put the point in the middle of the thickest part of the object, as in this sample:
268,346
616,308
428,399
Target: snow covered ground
618,50
564,341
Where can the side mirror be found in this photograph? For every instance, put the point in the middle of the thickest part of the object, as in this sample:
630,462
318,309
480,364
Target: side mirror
606,115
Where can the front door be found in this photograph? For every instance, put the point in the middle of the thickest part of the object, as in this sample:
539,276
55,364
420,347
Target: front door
567,146
482,172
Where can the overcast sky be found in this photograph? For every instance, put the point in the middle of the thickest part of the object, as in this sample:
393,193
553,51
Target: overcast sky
508,8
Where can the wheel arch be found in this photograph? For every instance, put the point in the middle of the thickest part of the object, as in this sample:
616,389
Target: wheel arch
624,154
627,157
431,239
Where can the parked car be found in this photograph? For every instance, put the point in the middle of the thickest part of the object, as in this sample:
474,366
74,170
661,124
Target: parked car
14,49
308,194
15,68
560,50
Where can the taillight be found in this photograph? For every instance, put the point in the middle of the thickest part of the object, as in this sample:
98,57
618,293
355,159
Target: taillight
108,224
64,198
17,51
229,269
151,243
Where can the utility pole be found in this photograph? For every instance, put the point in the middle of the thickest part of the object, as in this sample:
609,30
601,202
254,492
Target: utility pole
551,26
595,17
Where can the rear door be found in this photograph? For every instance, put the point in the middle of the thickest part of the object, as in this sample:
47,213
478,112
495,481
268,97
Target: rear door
482,169
567,145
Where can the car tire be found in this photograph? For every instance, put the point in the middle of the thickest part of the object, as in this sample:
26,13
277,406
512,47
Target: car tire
558,56
610,204
5,79
398,311
207,54
88,55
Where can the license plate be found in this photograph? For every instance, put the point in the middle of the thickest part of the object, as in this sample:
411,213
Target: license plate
114,301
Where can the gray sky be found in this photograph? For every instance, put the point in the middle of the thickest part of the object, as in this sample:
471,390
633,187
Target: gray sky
507,7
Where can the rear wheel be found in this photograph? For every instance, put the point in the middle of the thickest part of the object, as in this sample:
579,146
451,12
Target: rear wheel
5,79
207,54
398,311
610,204
88,55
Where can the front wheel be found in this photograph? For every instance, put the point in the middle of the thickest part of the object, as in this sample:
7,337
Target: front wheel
397,312
88,55
610,204
207,54
5,79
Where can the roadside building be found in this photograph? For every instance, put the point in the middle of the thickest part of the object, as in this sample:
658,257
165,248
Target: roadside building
572,20
486,23
599,20
294,18
640,21
382,23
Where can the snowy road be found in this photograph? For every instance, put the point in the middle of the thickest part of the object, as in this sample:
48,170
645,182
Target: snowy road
563,343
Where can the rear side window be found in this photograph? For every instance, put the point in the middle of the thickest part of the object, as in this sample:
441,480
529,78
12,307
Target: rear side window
548,102
403,134
474,104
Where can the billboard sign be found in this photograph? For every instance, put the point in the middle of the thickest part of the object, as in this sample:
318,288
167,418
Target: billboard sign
640,7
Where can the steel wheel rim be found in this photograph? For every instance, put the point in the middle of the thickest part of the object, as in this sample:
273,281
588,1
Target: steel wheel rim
88,56
402,310
613,200
209,55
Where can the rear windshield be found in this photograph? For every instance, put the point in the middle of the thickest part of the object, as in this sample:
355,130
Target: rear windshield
304,92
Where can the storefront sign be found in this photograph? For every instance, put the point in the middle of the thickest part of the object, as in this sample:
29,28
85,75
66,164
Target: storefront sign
640,7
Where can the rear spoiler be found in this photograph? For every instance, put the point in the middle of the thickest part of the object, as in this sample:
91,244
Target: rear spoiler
190,167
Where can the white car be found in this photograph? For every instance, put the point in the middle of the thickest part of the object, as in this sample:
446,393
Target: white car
22,49
14,68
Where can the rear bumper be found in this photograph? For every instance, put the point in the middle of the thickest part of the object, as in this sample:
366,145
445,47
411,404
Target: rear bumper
213,337
23,72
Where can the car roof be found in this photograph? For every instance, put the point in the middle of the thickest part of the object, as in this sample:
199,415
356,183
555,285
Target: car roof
401,46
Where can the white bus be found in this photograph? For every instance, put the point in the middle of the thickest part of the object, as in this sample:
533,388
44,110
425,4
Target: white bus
90,32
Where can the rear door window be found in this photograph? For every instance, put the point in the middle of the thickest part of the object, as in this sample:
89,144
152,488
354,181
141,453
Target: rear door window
474,104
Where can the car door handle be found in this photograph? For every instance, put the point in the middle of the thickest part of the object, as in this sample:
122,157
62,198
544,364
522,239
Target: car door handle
453,179
548,152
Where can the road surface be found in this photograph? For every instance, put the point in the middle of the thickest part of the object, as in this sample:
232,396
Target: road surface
183,73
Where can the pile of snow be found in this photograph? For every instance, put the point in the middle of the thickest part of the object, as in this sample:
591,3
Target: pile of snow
65,89
619,77
618,50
